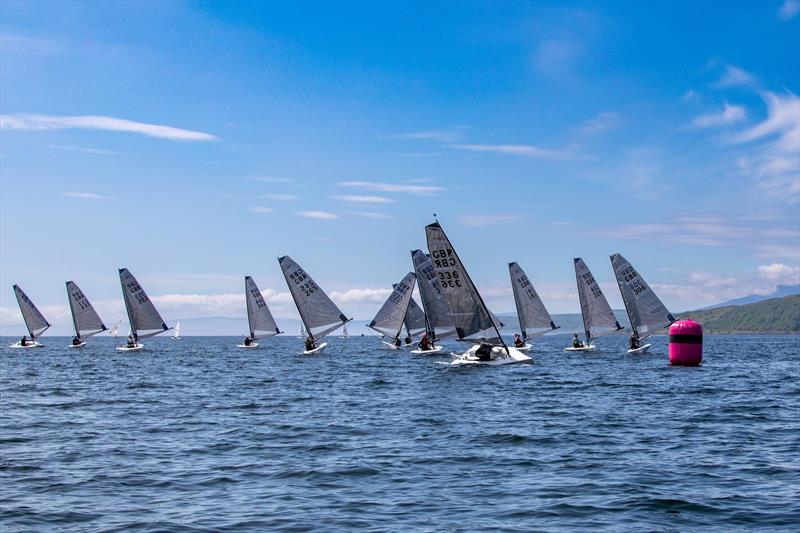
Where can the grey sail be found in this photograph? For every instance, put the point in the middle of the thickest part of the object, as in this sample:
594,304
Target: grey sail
645,310
534,320
259,317
440,324
142,314
319,314
34,320
415,319
597,314
472,319
84,317
389,319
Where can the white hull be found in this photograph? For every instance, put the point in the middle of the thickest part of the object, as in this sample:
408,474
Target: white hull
389,346
81,345
133,348
253,345
589,348
500,357
526,348
176,338
434,351
640,350
33,344
318,349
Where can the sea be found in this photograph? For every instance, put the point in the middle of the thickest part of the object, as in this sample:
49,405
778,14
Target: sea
199,435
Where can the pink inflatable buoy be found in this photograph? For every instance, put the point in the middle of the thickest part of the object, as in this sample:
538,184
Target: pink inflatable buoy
685,343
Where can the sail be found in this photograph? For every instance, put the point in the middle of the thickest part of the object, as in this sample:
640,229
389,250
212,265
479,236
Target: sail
472,319
594,306
84,317
319,314
439,322
389,319
344,331
258,315
142,314
645,310
177,334
114,331
534,320
34,320
415,319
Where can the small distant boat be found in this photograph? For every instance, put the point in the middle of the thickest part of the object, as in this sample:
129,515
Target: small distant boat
259,317
143,317
345,335
595,310
34,320
318,313
531,311
114,331
84,317
645,310
177,334
392,314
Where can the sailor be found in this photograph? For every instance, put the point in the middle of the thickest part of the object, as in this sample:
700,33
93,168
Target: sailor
23,341
576,342
248,341
518,342
397,342
309,344
409,340
131,342
76,341
425,343
484,352
635,341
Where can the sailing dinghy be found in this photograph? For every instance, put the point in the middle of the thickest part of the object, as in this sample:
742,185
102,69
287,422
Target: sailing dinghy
534,320
645,310
318,313
390,317
84,317
259,317
473,320
143,316
34,321
437,314
595,310
177,334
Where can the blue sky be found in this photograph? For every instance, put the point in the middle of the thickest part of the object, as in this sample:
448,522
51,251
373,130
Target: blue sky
195,142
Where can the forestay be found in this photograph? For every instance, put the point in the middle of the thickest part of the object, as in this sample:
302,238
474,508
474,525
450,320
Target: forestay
262,324
415,319
34,320
389,319
534,320
84,317
440,323
318,313
594,306
645,310
142,314
472,319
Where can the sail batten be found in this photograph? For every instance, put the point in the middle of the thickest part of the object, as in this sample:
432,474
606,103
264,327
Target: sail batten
84,317
259,318
390,317
534,320
34,320
645,310
594,307
144,319
437,313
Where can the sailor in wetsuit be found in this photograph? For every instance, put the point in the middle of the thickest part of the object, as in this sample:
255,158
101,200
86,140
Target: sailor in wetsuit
309,344
635,344
425,343
76,341
576,342
518,342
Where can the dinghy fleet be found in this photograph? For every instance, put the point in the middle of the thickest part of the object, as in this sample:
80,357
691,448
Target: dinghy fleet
451,308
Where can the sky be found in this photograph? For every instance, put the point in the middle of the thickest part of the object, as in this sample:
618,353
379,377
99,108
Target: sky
196,142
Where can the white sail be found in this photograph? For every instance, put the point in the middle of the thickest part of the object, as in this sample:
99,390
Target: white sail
34,320
177,333
302,330
473,321
260,319
318,313
389,319
645,310
84,317
534,320
345,335
415,321
440,324
596,312
142,314
114,331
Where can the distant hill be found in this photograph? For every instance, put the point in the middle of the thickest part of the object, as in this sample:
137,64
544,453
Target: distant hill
776,315
779,292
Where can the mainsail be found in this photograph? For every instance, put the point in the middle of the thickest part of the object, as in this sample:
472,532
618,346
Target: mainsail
84,317
473,321
34,320
319,314
389,319
415,321
594,306
440,324
534,320
258,315
645,310
142,314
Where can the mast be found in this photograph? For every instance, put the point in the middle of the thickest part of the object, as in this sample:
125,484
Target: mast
128,309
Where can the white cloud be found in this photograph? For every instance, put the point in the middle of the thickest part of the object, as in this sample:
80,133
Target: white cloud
526,150
789,9
364,199
485,220
93,122
729,115
780,273
377,215
446,135
556,57
601,122
690,95
320,215
84,195
783,120
268,179
84,150
259,209
734,76
360,296
392,187
279,197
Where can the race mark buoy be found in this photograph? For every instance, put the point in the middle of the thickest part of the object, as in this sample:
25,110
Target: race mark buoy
685,343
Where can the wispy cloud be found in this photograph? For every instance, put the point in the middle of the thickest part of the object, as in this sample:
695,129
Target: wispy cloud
392,187
350,296
556,57
278,197
601,122
445,135
525,150
319,215
259,209
734,76
377,215
102,123
84,195
789,9
729,115
783,120
366,199
96,151
690,96
268,179
780,273
486,220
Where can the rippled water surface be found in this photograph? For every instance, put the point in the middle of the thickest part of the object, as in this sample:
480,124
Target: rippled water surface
198,435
